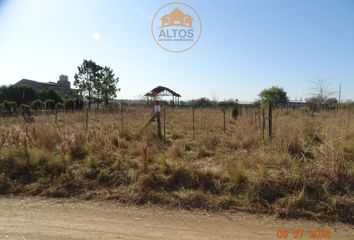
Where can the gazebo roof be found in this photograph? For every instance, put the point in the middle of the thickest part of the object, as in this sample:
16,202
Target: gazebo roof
161,91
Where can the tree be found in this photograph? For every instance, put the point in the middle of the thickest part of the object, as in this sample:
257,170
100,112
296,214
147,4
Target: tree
97,87
274,95
331,103
321,90
87,78
109,84
316,103
49,94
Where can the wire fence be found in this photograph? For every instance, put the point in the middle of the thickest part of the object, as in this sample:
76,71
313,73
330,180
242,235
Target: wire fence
175,122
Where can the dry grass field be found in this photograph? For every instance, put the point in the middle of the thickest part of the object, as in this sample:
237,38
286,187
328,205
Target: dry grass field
307,170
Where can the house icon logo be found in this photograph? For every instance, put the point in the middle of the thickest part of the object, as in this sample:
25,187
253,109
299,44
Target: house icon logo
177,18
176,27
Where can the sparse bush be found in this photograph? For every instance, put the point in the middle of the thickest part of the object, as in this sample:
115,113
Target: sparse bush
305,110
238,178
312,134
203,152
181,178
78,152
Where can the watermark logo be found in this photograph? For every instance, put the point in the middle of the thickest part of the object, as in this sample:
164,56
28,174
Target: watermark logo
176,27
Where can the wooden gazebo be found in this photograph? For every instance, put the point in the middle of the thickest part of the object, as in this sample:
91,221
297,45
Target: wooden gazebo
163,92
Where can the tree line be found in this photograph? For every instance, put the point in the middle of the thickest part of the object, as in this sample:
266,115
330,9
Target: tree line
17,98
26,95
94,82
277,97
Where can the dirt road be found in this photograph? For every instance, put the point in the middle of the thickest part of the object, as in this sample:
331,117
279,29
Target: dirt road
43,219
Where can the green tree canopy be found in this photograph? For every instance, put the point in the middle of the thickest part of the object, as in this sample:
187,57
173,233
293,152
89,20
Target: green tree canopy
87,79
274,95
96,82
109,84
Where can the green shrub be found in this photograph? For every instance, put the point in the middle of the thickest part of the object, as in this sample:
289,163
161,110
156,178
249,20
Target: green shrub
235,113
49,104
78,152
59,106
37,105
9,107
69,104
25,108
305,110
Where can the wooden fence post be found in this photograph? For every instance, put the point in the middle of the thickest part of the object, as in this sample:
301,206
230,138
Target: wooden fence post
158,119
263,122
224,113
56,115
121,118
164,123
270,121
193,125
87,113
258,114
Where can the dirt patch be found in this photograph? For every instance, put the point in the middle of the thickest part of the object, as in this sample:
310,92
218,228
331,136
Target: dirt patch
42,219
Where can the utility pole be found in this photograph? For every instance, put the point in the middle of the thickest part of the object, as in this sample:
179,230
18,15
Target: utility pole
340,93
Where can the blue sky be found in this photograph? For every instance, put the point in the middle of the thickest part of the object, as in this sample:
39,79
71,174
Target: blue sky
246,45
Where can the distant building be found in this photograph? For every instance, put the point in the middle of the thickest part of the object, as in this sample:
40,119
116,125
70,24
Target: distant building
294,104
62,86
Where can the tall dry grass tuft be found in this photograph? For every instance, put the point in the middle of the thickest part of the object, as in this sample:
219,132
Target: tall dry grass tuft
144,156
122,148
